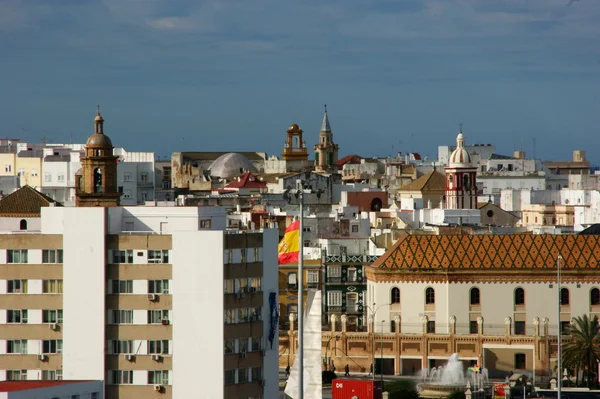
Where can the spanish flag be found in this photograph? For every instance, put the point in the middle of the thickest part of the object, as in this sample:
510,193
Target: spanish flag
288,247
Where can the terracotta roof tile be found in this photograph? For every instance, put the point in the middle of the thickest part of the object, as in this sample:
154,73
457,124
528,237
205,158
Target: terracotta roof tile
24,202
432,181
521,251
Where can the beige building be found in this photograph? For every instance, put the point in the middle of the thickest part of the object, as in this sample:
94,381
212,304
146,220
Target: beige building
548,215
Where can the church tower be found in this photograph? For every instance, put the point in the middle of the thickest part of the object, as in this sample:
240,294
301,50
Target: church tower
97,181
461,178
326,151
294,148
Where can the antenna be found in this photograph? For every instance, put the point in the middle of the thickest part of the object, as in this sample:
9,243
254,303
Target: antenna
44,138
534,148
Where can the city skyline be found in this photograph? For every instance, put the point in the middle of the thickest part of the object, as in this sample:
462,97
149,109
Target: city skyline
402,74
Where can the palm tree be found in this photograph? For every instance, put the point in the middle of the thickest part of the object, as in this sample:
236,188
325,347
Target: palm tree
581,351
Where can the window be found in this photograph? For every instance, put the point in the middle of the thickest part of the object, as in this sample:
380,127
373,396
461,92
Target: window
16,346
520,361
473,327
229,346
8,168
158,286
255,284
519,328
52,316
23,224
334,272
60,177
120,377
144,177
256,314
242,315
565,327
95,395
255,343
564,296
51,375
595,296
16,256
121,346
21,172
121,286
243,345
431,327
242,375
355,228
334,298
228,286
312,278
205,223
52,286
126,176
475,296
351,274
243,255
48,177
292,281
52,256
75,397
429,296
158,347
122,256
120,316
16,375
160,377
395,295
16,286
228,256
158,256
242,284
256,373
230,316
519,296
17,316
52,346
34,172
229,377
157,316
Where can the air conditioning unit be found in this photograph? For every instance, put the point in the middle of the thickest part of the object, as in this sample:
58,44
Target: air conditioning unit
42,357
165,322
53,326
158,388
128,357
152,297
156,358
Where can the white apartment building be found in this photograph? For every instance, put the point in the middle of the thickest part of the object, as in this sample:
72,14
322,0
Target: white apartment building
148,299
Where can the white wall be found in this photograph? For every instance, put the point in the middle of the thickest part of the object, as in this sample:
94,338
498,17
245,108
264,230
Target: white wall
197,259
269,285
84,277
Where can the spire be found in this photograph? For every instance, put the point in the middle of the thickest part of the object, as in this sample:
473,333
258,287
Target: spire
325,127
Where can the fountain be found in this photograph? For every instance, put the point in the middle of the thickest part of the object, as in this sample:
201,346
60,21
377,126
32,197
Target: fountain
439,382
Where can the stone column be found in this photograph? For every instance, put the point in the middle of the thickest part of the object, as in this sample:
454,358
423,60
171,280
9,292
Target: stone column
480,325
292,317
452,325
344,320
424,321
507,323
546,322
536,326
333,319
397,320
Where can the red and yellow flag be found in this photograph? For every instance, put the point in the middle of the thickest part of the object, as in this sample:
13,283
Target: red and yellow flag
288,248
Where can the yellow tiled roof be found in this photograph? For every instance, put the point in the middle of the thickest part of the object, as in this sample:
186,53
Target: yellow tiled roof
520,251
24,202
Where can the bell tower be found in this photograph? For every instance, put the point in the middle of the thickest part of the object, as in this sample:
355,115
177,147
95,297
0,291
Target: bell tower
294,148
326,151
96,185
461,178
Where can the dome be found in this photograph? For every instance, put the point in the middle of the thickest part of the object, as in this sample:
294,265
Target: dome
231,165
98,118
460,157
99,140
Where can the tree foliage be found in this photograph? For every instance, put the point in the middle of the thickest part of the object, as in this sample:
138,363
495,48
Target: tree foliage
581,351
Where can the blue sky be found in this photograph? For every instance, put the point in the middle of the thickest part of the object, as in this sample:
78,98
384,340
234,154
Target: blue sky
231,75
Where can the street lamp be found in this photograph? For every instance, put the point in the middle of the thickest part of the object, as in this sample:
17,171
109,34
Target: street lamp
559,363
301,189
327,348
373,313
381,363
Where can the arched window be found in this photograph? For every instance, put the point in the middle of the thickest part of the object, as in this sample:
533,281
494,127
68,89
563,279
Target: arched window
564,296
395,295
595,296
23,224
429,296
466,182
292,281
519,296
475,296
97,180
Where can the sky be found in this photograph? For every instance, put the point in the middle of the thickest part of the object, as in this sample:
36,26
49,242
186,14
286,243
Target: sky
232,75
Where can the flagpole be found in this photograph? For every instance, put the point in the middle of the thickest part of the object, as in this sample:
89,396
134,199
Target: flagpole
301,295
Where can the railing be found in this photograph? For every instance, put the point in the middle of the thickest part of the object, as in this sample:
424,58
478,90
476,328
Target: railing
334,279
351,258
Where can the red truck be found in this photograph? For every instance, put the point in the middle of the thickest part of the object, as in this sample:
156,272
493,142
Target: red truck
356,389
